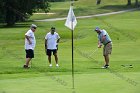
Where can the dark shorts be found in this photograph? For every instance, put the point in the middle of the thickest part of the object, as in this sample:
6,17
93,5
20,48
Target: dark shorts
49,52
29,53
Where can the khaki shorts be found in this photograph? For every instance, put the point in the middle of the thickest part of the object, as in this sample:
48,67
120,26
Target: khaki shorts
107,49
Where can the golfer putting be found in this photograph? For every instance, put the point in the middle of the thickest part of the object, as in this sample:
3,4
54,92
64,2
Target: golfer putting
104,38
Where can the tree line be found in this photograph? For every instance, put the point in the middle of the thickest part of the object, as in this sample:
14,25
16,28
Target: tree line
128,2
12,11
136,2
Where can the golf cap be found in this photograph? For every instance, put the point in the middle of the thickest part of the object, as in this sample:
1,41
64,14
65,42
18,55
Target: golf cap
33,26
53,28
97,28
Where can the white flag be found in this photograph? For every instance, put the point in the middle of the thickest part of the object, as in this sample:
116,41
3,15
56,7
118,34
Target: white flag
71,19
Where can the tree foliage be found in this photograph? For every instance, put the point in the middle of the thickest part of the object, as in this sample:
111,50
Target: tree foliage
12,11
136,2
128,2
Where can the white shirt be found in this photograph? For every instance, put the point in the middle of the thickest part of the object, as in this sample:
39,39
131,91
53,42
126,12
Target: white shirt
52,40
31,36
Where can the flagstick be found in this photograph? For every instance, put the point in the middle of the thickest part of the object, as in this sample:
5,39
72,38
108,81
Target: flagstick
72,59
72,50
71,23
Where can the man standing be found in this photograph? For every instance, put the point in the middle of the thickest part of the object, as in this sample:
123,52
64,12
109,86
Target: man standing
104,38
51,45
30,43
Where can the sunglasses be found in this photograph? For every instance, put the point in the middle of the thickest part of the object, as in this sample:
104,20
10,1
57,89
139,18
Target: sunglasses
34,27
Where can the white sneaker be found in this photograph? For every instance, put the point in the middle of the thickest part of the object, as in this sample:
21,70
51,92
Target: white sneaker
105,66
57,65
50,65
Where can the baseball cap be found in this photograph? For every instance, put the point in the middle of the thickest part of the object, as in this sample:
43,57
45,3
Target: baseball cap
97,28
52,27
33,26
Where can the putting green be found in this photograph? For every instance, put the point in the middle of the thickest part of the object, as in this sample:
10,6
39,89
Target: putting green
98,83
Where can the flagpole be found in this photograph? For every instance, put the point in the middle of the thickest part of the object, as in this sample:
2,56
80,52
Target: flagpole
72,49
71,23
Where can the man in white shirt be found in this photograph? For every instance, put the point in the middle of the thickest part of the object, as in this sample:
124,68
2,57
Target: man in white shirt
30,43
51,45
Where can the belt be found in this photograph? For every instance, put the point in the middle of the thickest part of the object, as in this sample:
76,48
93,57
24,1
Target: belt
107,43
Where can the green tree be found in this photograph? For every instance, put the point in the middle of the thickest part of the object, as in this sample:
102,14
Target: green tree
98,2
12,11
44,5
128,2
136,3
2,17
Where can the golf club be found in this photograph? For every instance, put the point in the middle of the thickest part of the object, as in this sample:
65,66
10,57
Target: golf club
93,52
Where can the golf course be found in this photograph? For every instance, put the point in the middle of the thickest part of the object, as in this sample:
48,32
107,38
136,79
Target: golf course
123,75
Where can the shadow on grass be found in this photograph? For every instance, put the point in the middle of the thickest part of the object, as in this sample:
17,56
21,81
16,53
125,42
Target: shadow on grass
118,7
20,25
17,25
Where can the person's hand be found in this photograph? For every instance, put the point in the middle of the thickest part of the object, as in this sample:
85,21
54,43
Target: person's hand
99,46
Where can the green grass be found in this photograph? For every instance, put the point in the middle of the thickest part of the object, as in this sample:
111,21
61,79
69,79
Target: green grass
124,31
58,84
84,7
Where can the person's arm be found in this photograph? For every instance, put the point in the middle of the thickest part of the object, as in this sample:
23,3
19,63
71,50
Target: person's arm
45,43
46,46
27,37
99,44
58,40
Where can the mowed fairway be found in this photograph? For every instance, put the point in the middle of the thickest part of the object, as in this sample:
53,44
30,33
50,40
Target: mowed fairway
89,77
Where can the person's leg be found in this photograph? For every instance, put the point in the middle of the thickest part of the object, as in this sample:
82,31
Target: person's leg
49,56
27,61
49,59
29,56
106,57
56,57
106,51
